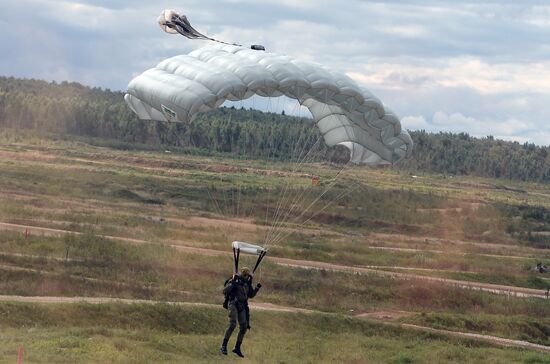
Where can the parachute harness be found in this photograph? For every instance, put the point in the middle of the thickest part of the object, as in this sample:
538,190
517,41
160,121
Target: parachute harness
239,246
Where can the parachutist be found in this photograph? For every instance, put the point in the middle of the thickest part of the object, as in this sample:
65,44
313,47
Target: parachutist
238,290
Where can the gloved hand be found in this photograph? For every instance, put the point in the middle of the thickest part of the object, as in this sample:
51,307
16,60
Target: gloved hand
259,285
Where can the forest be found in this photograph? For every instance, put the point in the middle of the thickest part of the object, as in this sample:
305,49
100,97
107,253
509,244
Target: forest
71,108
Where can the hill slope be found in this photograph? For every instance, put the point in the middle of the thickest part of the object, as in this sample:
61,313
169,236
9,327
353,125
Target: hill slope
93,112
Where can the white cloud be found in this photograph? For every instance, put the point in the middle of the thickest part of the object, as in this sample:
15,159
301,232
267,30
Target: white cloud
511,129
469,72
415,123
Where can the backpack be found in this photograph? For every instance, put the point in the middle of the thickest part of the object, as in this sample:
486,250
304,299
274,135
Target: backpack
226,295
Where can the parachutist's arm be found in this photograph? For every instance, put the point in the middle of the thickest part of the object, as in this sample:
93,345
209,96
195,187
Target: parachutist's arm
254,291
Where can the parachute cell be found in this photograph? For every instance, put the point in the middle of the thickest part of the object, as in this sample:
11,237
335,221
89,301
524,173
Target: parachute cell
179,88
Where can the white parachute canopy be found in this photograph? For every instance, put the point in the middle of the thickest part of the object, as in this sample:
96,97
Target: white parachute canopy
179,88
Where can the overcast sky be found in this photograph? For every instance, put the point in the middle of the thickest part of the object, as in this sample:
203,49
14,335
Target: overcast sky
478,67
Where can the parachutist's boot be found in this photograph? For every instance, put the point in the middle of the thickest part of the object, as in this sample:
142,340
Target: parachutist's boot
223,348
237,349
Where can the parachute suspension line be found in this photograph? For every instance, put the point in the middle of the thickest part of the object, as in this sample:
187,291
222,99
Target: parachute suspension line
239,194
216,205
271,158
285,200
281,201
260,274
267,205
342,195
300,199
233,201
225,214
329,187
292,197
281,216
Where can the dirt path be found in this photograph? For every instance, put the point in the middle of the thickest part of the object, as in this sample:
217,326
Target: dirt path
479,337
510,291
308,264
102,300
441,241
413,250
380,317
394,267
389,317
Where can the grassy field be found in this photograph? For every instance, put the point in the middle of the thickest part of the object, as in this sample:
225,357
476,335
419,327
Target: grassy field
123,333
119,216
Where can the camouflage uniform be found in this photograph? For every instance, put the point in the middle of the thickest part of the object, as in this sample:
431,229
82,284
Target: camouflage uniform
239,291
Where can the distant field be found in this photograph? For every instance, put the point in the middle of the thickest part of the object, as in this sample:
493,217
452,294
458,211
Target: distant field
112,221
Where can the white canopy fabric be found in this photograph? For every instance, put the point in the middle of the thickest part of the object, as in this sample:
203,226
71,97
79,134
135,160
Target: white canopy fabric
248,248
179,88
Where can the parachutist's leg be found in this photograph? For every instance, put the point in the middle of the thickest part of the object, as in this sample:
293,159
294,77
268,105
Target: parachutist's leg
242,330
233,316
243,325
247,309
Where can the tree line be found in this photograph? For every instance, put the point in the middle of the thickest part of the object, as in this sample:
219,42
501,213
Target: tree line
71,108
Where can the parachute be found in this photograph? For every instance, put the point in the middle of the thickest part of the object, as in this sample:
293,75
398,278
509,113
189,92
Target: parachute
181,87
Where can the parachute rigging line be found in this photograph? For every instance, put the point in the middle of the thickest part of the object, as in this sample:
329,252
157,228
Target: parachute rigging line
293,197
342,195
294,158
281,200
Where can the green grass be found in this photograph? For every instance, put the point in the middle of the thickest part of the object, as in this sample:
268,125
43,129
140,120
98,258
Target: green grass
119,333
520,327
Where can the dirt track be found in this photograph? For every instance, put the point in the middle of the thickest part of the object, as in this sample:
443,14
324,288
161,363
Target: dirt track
308,264
102,300
412,250
376,316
